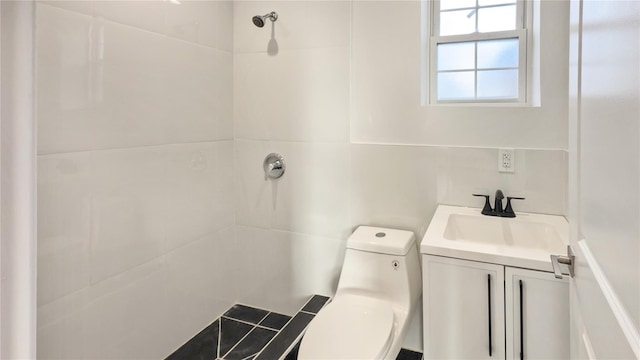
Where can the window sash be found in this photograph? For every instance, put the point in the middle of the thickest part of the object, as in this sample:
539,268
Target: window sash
435,29
521,35
520,32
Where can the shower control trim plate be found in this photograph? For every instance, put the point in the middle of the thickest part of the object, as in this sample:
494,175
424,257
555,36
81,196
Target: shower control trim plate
274,166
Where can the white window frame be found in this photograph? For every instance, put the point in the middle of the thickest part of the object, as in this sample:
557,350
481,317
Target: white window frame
522,33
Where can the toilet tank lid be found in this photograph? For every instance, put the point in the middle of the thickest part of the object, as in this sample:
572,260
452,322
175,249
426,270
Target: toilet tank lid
381,240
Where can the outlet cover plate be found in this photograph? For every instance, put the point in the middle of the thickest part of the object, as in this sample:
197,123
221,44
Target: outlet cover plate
506,160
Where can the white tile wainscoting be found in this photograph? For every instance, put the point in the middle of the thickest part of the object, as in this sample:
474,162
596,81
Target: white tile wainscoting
135,175
154,118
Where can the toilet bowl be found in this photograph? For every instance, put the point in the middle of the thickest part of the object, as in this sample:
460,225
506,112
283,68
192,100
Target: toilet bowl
377,293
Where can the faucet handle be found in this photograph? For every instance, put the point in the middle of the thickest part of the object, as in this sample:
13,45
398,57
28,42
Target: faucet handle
508,211
486,210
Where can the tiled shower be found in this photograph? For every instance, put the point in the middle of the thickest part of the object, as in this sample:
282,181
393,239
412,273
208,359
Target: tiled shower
154,117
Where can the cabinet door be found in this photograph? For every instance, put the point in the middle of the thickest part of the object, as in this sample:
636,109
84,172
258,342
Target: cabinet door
463,309
544,330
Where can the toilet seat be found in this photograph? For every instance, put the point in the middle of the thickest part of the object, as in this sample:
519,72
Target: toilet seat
350,327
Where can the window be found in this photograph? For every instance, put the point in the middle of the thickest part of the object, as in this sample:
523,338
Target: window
478,51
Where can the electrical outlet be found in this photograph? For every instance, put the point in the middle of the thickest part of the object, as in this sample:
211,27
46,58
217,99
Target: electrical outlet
506,160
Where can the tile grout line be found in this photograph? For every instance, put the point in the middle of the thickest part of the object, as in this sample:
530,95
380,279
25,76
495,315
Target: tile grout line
308,312
258,351
275,332
295,342
219,336
237,343
297,339
248,357
278,333
268,328
254,326
144,146
254,307
261,320
274,329
249,323
98,16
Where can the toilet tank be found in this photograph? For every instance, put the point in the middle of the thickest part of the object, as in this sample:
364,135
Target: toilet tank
383,263
381,240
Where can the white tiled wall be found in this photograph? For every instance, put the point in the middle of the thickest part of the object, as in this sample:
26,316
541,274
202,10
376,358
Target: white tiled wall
388,77
299,92
401,186
311,197
104,85
292,97
145,312
136,175
296,95
346,78
330,189
281,268
154,120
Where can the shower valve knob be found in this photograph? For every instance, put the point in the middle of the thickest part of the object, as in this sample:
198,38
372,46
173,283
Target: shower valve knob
274,166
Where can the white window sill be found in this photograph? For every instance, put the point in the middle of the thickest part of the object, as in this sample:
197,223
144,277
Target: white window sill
484,105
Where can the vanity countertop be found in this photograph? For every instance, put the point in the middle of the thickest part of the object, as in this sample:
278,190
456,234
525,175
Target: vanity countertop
525,241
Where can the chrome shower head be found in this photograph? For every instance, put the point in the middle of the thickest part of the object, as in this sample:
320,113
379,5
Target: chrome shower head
259,20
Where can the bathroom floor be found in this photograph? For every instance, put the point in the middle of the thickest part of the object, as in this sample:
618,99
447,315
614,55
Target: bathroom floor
246,333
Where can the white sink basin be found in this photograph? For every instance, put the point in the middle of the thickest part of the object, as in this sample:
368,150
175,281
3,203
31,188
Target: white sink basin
524,241
501,231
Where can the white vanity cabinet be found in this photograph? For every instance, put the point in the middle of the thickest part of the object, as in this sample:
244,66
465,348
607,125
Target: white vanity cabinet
544,312
472,310
463,309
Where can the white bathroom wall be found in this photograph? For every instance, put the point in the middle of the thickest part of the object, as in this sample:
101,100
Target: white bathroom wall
135,175
139,142
387,66
400,186
328,87
291,95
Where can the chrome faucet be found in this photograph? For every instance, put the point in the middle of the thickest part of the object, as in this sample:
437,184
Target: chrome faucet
497,210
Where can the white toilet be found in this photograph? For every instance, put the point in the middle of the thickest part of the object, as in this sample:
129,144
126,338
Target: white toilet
377,294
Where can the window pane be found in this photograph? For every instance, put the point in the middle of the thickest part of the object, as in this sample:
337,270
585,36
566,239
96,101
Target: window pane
457,4
498,84
498,18
497,53
495,2
456,85
456,56
457,22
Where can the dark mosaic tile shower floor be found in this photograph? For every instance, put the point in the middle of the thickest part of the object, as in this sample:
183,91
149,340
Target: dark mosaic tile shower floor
247,333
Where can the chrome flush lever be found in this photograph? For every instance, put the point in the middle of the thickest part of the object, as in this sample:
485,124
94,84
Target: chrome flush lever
568,259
